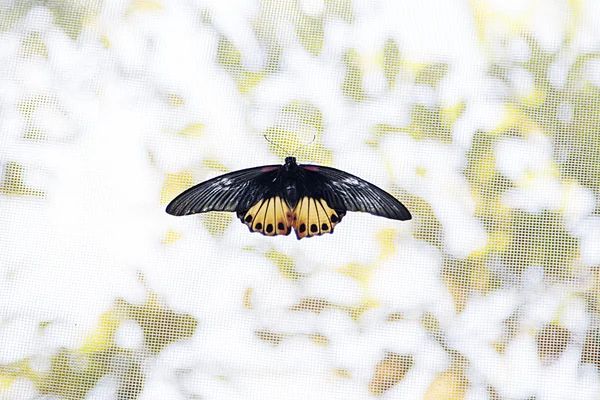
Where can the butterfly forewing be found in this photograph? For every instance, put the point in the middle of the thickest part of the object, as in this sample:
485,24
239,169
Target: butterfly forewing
234,191
343,191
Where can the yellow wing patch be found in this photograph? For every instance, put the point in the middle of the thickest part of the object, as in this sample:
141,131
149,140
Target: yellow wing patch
314,217
271,216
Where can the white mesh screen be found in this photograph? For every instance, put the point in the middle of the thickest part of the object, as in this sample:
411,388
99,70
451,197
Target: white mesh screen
481,116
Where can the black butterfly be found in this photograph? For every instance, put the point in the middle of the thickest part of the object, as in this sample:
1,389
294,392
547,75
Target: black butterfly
272,199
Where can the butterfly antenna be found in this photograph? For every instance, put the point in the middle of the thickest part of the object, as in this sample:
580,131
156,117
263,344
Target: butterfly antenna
305,145
273,143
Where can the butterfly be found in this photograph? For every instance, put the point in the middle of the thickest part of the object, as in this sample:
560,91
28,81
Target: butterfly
273,199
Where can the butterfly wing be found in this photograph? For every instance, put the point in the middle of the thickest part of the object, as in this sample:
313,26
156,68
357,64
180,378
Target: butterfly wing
312,216
345,192
270,216
251,193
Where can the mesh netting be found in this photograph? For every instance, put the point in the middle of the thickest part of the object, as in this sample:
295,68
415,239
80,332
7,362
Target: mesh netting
480,116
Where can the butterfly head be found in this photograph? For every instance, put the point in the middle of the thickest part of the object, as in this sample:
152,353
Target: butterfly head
290,163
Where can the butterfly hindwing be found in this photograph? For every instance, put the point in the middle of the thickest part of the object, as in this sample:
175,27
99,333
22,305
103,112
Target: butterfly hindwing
314,217
269,216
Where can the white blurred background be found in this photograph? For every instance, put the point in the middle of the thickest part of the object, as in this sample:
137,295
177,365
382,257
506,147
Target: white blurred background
481,116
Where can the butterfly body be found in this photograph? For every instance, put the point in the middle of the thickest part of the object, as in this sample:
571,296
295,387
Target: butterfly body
273,199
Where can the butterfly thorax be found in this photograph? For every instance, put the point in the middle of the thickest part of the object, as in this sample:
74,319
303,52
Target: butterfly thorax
290,187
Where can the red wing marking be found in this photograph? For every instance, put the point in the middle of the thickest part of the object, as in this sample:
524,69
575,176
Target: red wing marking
271,168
